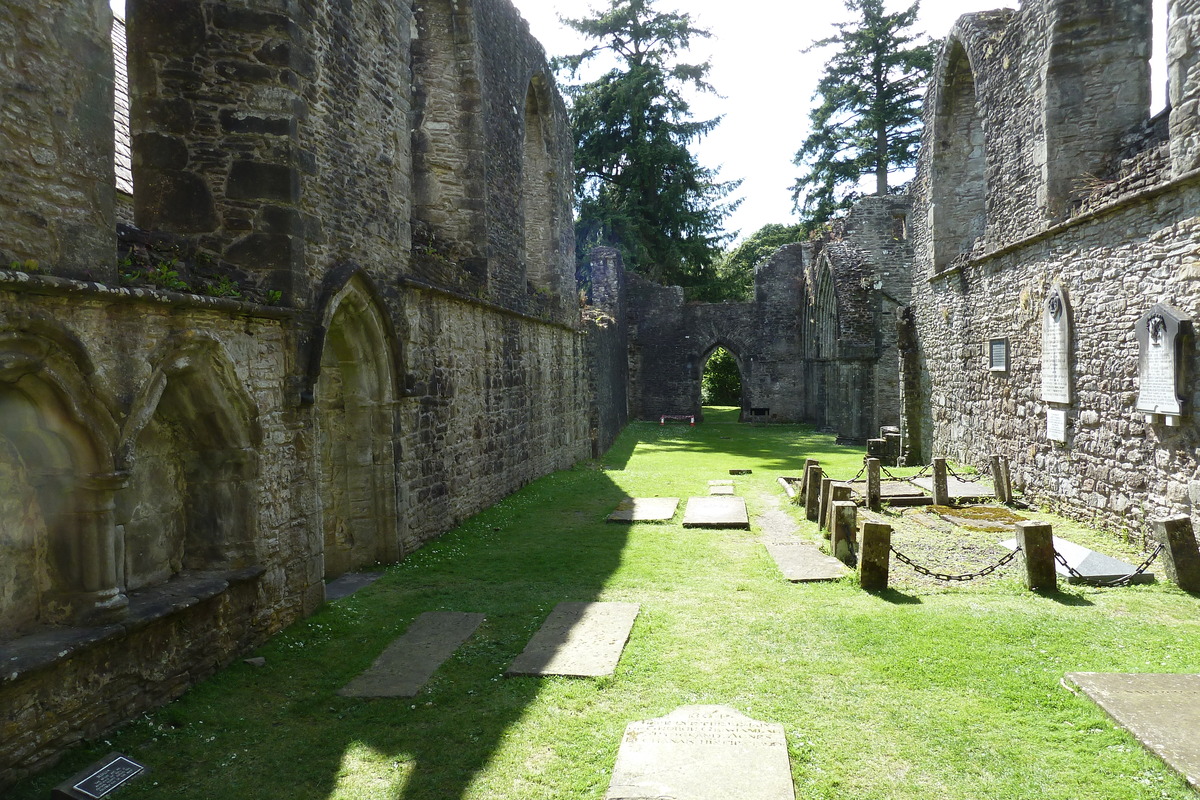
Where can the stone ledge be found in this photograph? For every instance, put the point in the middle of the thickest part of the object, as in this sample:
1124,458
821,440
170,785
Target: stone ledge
44,648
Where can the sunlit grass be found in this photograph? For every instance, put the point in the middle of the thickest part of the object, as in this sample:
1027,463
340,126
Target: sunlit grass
913,694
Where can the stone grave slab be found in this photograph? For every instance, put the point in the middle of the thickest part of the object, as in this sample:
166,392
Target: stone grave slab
410,661
1089,563
702,753
1161,711
716,512
957,489
583,640
348,584
720,483
645,509
720,491
740,471
802,562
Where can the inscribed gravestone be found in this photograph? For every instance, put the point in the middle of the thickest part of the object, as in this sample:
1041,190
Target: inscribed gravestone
1161,711
716,512
702,753
801,562
1056,344
645,509
1056,424
1162,334
99,780
410,661
578,639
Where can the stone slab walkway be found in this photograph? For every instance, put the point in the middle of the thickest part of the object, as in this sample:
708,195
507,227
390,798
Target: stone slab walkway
716,512
645,509
582,640
410,661
801,562
1161,711
348,584
702,753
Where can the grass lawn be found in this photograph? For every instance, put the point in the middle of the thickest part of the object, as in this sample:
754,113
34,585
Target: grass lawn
920,692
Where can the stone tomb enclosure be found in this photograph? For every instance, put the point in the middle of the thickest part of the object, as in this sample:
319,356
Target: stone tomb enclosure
645,509
582,640
410,661
702,753
716,512
1161,711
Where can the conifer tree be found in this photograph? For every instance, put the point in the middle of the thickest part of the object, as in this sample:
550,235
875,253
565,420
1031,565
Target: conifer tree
637,185
868,119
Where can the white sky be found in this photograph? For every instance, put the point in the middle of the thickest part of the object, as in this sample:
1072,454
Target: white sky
766,82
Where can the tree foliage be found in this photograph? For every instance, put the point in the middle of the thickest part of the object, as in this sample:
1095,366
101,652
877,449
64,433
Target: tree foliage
733,277
868,118
637,185
721,383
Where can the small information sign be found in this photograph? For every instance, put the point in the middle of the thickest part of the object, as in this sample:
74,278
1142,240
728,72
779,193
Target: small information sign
1056,425
98,780
998,352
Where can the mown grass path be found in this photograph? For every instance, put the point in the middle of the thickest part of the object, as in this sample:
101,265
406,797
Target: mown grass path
922,692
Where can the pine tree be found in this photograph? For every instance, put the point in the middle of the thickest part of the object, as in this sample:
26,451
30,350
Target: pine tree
868,120
637,185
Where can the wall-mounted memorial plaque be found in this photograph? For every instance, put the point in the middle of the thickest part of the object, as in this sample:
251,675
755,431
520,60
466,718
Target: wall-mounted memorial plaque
1056,347
1164,336
998,355
1056,424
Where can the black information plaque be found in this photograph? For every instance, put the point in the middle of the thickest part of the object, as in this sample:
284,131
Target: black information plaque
98,780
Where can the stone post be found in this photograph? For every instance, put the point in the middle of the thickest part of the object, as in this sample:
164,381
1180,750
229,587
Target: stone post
1004,473
941,494
892,449
812,492
875,556
823,511
1181,559
998,480
875,447
843,531
1183,83
1036,540
809,463
874,495
838,492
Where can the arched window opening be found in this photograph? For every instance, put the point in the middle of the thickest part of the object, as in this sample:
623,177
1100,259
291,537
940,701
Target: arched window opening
959,169
536,195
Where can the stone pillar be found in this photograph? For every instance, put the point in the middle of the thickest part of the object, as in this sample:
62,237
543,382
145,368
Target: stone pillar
1004,473
941,494
844,530
1183,83
874,494
875,447
1036,540
1180,557
809,463
56,138
823,511
97,596
998,480
812,493
875,556
838,492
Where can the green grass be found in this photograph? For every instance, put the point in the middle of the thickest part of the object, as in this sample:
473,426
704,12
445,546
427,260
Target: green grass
946,693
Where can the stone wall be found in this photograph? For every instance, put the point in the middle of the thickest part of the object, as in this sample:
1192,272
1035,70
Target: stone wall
376,200
1085,192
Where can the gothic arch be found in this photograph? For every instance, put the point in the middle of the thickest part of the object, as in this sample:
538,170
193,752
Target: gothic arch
821,313
539,252
355,397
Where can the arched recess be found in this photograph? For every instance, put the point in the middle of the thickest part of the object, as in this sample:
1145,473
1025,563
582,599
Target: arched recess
821,315
537,198
355,401
57,548
190,448
449,190
959,165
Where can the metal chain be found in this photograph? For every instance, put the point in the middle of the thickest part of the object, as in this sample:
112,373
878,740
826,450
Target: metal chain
923,472
942,576
951,471
860,472
1124,580
890,476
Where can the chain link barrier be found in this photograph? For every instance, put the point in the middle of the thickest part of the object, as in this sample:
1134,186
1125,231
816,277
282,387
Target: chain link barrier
942,576
1124,580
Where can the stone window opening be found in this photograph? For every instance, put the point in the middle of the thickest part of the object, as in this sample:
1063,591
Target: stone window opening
122,139
821,317
959,164
537,181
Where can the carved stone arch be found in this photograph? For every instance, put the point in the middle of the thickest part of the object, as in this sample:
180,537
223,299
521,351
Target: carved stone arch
56,483
539,251
958,169
821,312
355,393
190,446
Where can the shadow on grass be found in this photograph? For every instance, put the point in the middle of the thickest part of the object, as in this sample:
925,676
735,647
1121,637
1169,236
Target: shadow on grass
1064,598
897,597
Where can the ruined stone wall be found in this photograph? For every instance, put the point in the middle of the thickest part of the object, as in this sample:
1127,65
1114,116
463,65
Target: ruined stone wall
1121,240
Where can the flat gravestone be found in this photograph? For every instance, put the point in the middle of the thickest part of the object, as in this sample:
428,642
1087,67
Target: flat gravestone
721,491
1089,563
801,562
716,512
720,483
645,509
702,753
1161,711
349,583
581,640
99,780
410,661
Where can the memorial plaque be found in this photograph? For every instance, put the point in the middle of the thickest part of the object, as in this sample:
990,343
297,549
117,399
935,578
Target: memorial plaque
1056,425
702,753
98,780
409,662
1161,711
582,640
998,355
1056,348
1163,335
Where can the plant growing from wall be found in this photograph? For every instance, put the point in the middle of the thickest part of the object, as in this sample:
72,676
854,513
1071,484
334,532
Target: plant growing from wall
637,185
868,118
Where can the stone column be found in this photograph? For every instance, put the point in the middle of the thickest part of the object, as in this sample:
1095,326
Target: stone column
1181,559
812,493
874,494
1036,540
998,480
809,463
838,492
823,511
97,596
875,556
941,494
1183,83
844,530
